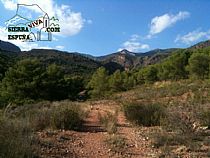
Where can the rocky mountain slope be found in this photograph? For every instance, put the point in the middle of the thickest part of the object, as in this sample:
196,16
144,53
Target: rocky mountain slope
128,60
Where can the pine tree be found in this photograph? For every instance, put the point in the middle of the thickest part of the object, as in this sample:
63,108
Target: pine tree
199,65
22,82
98,84
116,82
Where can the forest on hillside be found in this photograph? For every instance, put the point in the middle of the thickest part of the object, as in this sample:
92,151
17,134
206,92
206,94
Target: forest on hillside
32,79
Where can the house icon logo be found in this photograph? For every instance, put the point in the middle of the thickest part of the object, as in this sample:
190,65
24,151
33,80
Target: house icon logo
46,24
31,23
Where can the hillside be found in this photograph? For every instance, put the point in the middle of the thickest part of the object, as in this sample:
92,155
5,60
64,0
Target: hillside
202,44
158,51
7,59
127,60
76,63
73,63
7,46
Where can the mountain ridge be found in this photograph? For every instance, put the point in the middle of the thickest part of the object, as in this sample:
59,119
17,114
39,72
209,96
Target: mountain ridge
77,62
7,46
202,44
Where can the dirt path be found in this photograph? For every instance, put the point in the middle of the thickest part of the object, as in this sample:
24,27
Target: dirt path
90,143
139,144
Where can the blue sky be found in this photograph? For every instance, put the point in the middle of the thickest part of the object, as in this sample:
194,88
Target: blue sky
100,27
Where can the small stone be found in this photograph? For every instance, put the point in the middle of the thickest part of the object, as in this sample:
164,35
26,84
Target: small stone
132,145
180,149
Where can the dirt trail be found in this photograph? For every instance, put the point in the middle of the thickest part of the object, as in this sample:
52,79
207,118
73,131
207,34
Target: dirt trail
139,144
90,143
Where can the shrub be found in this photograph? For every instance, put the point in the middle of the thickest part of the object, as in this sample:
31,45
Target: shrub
16,139
38,115
40,119
67,118
147,115
162,139
59,115
109,121
180,122
180,130
117,143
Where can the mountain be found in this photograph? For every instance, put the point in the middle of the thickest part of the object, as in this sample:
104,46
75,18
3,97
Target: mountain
125,59
203,44
160,51
87,56
7,59
85,64
73,63
7,46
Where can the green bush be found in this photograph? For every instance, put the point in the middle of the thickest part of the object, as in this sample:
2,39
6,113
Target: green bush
199,65
146,115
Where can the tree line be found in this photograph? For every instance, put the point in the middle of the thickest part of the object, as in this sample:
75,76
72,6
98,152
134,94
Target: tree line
182,64
32,80
29,80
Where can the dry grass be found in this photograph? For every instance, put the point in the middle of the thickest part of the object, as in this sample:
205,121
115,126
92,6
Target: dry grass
187,115
109,121
117,144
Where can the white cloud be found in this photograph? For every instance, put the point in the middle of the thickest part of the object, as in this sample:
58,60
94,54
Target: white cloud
70,22
3,33
9,4
193,36
160,23
134,45
134,37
